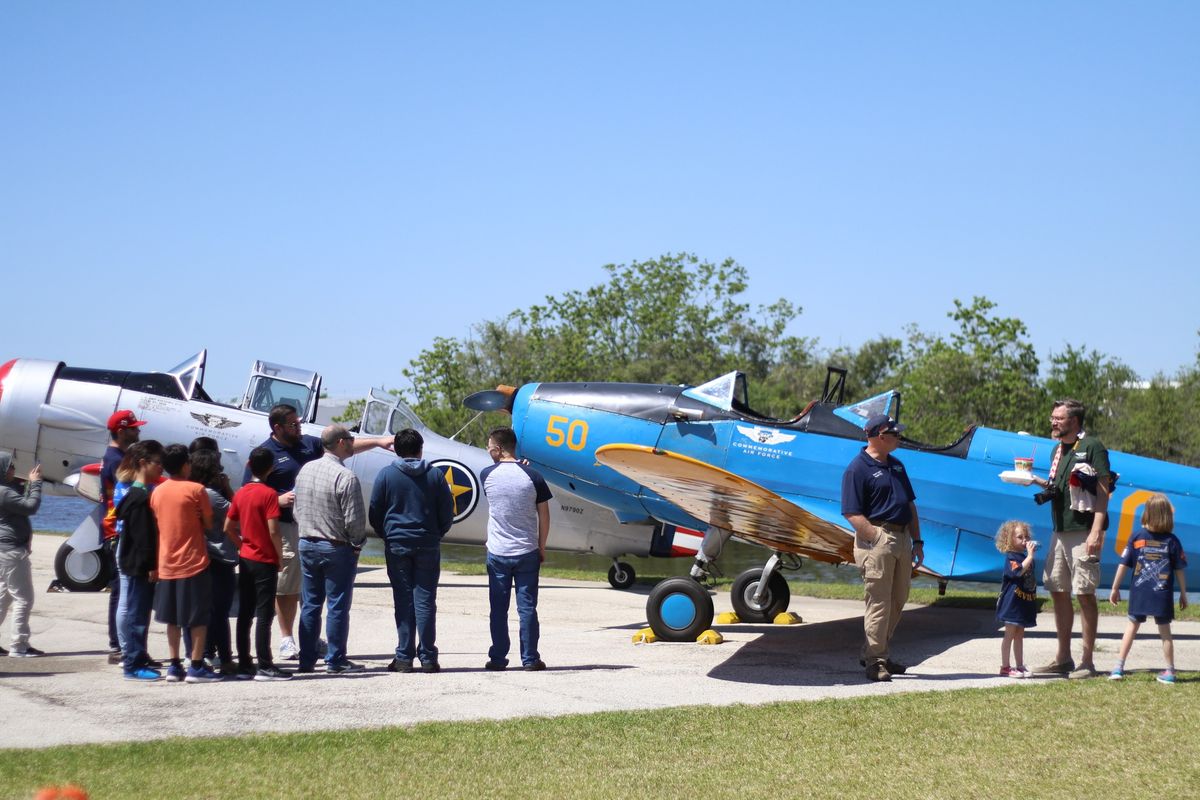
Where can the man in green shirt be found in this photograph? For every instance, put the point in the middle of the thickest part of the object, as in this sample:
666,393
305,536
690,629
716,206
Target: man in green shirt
1078,489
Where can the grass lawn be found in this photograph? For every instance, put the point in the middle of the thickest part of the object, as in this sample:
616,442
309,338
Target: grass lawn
1050,739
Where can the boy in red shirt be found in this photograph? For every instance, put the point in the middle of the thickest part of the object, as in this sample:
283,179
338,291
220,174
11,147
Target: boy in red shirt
255,511
183,596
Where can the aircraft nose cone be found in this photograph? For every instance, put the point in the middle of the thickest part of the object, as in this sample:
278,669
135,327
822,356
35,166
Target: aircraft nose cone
499,399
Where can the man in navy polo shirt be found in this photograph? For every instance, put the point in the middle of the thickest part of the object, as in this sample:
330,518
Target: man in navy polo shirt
292,450
878,500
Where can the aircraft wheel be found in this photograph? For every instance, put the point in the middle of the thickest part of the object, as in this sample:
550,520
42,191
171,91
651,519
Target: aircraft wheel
679,610
621,575
80,571
775,600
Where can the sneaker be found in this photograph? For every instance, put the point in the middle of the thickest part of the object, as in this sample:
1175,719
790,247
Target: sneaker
142,674
288,649
3,652
175,673
344,668
495,666
1117,674
893,667
1083,672
230,671
271,673
1056,668
246,672
306,669
878,672
201,674
115,656
1166,677
400,666
536,666
25,652
1021,672
430,666
1007,672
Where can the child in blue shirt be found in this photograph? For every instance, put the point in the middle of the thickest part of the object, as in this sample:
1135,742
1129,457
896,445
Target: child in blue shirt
1016,607
1157,559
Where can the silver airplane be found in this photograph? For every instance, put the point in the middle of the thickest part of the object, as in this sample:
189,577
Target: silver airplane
54,414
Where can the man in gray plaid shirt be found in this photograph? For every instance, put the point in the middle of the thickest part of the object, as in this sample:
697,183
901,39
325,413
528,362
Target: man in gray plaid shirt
332,520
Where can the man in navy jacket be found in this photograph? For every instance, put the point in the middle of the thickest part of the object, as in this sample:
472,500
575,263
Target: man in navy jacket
411,510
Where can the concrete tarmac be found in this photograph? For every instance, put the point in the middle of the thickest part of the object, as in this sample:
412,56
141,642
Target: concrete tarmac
73,696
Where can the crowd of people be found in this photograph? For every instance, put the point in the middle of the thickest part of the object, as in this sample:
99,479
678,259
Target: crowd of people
183,546
879,503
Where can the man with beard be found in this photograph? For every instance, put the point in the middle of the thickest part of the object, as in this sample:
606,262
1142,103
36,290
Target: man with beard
1078,490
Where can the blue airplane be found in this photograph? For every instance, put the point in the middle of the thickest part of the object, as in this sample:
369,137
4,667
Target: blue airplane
702,458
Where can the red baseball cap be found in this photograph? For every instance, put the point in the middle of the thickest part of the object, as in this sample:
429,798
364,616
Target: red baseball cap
124,419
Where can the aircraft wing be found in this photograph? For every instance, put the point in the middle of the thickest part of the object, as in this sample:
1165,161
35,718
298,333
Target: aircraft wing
729,501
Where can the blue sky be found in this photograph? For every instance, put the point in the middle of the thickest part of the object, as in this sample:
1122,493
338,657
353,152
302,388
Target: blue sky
333,185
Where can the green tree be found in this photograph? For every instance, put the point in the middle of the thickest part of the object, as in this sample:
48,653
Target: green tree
985,374
1101,383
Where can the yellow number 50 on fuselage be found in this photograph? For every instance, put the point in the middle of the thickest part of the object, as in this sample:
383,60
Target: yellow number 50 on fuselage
574,434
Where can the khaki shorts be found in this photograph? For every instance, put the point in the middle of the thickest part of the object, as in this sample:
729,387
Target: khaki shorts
1068,567
289,563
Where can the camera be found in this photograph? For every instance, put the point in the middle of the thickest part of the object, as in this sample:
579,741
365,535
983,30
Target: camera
1046,495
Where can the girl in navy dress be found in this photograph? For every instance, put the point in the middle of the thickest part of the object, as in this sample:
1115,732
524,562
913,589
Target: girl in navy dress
1156,557
1017,607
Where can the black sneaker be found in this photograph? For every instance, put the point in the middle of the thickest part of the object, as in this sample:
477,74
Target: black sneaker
894,667
27,652
536,666
400,666
306,669
495,666
430,666
344,668
271,673
878,672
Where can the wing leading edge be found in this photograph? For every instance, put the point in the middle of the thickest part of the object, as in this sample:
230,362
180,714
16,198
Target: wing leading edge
729,501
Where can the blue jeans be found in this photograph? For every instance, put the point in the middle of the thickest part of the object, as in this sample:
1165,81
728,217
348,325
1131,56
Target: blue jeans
137,598
503,572
414,573
108,553
327,577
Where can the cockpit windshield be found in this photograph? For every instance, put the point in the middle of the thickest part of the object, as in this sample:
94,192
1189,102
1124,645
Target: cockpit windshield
190,375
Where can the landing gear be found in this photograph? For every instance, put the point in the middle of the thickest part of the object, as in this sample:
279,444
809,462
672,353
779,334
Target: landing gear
621,575
755,602
81,571
679,610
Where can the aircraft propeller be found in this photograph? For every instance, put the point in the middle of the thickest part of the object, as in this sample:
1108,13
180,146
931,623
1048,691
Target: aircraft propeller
498,399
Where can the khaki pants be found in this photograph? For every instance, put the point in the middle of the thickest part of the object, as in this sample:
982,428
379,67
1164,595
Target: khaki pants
16,590
886,570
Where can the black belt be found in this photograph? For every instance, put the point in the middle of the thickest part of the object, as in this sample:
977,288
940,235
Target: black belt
894,527
323,540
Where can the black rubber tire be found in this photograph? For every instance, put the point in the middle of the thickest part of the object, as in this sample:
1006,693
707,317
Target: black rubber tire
621,575
677,627
91,569
742,596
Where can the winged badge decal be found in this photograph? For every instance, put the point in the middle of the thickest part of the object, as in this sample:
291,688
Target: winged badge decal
765,435
214,421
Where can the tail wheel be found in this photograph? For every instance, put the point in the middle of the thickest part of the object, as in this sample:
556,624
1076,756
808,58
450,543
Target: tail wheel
81,571
774,600
621,575
679,610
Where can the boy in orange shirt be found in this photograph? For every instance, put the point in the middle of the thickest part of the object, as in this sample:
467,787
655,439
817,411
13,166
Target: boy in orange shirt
183,596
